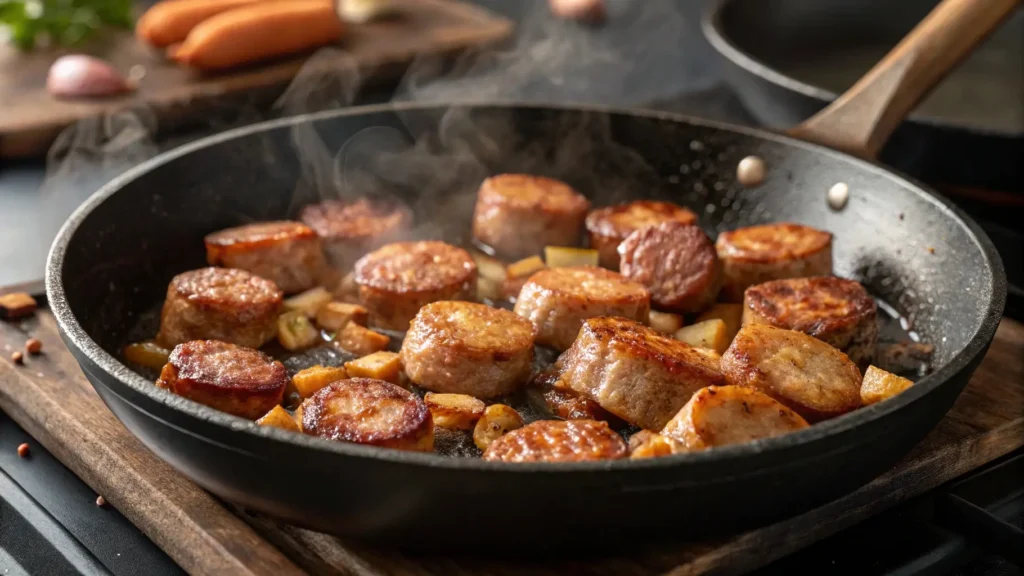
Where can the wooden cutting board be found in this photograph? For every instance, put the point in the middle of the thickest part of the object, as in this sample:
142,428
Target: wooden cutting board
50,398
30,119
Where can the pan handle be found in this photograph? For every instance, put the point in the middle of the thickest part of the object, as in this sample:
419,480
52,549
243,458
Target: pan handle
862,119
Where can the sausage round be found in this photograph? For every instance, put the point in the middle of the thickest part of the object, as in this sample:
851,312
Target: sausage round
676,262
517,215
220,304
834,310
637,374
558,300
398,279
558,441
771,252
468,348
369,411
287,253
812,378
232,379
723,415
607,227
350,229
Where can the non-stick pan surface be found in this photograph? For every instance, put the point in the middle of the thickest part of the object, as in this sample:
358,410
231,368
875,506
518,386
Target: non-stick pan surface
787,59
114,257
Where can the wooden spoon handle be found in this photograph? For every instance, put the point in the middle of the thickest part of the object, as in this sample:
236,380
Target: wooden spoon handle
862,119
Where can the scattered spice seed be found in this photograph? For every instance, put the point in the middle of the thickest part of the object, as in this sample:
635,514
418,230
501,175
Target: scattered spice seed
18,358
34,346
100,501
931,250
23,450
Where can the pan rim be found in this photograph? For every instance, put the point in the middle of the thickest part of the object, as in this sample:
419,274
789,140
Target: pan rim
715,33
108,364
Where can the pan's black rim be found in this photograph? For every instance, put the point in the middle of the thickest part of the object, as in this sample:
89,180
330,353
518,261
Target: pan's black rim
77,337
714,31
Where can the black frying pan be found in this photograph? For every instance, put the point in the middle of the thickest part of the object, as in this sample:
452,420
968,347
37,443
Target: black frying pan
112,261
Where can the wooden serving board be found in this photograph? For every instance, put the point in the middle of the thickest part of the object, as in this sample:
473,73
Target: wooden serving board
51,399
30,119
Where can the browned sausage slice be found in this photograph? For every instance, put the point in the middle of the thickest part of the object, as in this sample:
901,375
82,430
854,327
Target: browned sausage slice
834,310
723,415
468,348
517,215
558,441
607,227
287,253
558,300
802,372
396,280
676,262
368,411
220,304
232,379
350,229
771,252
639,375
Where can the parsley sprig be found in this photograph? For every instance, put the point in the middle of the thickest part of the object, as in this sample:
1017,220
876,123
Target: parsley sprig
28,23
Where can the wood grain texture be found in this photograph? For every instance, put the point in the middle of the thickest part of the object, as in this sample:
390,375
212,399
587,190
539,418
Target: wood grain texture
861,120
30,119
50,398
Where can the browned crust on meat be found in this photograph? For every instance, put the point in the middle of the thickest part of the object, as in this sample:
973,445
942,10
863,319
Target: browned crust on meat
369,411
607,227
228,290
360,219
576,282
676,262
815,306
558,441
568,405
771,243
471,330
230,378
416,267
529,192
252,236
696,424
759,351
641,342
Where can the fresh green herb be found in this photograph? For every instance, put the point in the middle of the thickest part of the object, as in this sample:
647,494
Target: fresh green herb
28,23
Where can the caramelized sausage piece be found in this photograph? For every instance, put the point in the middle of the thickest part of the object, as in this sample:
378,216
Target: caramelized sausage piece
517,215
468,348
723,415
834,310
286,253
771,252
395,281
368,411
220,304
676,263
811,377
558,441
350,229
639,375
607,227
232,379
558,300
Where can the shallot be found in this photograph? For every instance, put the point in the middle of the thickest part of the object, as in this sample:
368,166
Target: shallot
84,76
584,10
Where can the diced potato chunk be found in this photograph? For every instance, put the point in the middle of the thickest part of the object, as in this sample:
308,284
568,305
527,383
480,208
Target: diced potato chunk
279,418
731,314
880,385
380,365
665,322
653,445
17,305
488,267
336,315
309,302
360,340
710,334
454,411
148,354
525,267
496,421
307,382
295,331
562,256
487,289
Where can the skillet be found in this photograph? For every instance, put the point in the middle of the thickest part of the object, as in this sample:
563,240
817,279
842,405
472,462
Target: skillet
111,263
